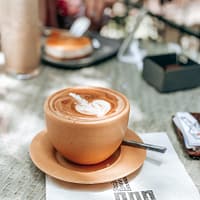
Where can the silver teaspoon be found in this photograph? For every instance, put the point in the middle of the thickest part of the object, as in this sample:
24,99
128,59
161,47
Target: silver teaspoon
151,147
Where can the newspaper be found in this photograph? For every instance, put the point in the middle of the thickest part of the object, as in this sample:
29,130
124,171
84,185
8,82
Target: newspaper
162,177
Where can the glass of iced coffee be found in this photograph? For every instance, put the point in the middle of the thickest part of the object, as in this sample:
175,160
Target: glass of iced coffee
20,37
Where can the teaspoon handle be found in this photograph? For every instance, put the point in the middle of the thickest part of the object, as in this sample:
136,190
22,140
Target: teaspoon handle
152,147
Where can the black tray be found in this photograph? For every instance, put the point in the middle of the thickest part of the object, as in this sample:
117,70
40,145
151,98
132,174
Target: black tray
171,72
108,48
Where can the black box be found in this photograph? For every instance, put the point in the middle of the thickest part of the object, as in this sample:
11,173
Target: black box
171,72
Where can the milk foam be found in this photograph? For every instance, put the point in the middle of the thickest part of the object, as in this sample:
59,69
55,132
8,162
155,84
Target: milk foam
97,107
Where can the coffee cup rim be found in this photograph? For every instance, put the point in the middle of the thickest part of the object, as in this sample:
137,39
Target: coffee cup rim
104,120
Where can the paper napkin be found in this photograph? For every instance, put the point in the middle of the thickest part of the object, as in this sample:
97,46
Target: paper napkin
162,177
190,129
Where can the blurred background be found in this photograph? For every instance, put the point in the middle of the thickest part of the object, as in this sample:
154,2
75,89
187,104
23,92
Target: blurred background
170,21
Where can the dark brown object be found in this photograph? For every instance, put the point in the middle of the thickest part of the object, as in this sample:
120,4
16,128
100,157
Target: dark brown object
171,72
193,154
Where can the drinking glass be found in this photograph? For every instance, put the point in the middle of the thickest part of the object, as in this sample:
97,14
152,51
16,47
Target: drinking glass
20,37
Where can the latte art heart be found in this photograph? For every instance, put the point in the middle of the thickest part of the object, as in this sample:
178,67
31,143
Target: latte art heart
97,107
86,104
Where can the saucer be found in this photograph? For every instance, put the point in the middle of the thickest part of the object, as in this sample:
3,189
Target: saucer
123,162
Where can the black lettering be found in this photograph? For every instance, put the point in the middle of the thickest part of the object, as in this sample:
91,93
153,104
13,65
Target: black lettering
134,196
121,185
148,195
128,188
120,196
115,187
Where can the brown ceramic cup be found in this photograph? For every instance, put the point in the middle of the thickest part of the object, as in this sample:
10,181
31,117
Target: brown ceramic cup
86,124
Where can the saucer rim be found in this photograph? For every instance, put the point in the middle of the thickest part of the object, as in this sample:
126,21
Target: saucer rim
53,168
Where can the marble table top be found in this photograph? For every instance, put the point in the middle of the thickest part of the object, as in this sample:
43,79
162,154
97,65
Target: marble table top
22,117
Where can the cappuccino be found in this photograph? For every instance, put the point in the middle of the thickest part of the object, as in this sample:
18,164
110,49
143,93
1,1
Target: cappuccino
86,104
86,124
